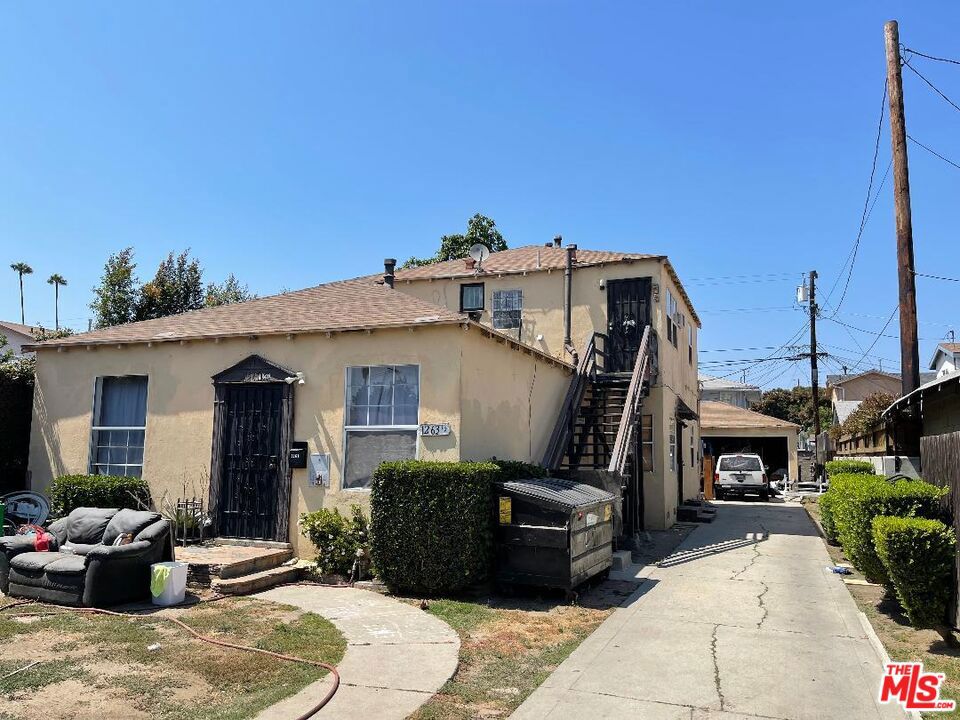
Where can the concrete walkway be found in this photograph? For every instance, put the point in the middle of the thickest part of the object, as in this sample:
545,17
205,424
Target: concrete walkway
742,621
397,655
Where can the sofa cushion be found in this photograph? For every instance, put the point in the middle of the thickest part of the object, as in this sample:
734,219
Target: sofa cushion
128,522
67,565
87,525
36,562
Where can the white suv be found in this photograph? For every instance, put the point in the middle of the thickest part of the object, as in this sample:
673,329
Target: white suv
739,475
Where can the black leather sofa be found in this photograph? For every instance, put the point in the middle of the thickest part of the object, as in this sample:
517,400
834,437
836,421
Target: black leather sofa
84,567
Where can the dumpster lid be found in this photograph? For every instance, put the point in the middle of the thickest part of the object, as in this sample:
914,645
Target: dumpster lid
566,493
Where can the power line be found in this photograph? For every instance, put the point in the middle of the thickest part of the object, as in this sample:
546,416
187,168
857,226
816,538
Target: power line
879,335
743,349
790,341
932,151
776,308
933,87
867,209
936,277
930,57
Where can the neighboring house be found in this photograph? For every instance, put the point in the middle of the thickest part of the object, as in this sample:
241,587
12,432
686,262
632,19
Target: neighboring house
727,429
728,391
288,403
858,386
946,359
17,335
842,409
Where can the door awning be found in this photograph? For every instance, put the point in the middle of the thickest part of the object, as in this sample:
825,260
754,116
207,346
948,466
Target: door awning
685,412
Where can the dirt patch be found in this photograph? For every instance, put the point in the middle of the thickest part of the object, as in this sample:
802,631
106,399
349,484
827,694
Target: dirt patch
70,700
43,644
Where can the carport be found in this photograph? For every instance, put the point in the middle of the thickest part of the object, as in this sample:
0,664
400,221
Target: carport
725,428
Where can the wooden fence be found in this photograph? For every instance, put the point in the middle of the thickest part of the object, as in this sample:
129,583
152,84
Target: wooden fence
940,463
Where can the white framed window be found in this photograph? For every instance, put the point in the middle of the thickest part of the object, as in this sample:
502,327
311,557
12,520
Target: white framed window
381,419
646,442
674,319
507,308
119,425
673,445
690,343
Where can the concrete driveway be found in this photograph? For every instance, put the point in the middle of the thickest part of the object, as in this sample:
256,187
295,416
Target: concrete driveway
742,621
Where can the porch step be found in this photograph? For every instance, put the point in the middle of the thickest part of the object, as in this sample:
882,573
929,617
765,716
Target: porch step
216,561
257,581
695,512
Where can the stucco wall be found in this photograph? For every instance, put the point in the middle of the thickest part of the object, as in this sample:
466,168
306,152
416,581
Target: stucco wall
859,388
511,401
490,380
543,315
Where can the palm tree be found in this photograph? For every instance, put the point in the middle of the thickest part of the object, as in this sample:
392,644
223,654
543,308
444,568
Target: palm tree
56,280
21,268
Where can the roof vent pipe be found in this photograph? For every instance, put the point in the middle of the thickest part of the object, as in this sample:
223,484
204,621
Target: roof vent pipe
388,267
558,240
567,299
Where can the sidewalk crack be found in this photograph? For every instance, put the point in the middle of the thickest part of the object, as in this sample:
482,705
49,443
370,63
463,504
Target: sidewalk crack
763,605
716,666
756,552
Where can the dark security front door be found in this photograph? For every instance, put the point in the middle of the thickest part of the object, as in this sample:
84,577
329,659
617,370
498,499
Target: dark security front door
250,476
628,313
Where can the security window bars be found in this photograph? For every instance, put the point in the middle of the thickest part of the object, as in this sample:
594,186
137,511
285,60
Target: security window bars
382,412
119,424
507,307
471,297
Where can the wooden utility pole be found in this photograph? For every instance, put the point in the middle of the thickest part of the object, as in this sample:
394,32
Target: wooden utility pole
909,350
814,372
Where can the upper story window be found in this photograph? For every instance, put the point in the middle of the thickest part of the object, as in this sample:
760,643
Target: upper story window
383,409
471,297
690,343
674,319
507,308
119,423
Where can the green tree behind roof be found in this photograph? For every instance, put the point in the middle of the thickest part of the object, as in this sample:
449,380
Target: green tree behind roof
480,229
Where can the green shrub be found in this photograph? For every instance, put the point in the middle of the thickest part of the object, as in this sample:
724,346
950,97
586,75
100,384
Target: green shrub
918,556
340,541
872,497
828,502
432,524
846,467
516,470
106,491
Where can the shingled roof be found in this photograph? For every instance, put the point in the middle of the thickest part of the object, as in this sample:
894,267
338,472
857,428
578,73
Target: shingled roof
533,258
718,415
362,303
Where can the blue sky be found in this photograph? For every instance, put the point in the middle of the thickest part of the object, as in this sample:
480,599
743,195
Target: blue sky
296,143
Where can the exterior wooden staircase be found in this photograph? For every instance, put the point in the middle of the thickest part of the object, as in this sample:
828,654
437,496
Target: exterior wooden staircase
598,426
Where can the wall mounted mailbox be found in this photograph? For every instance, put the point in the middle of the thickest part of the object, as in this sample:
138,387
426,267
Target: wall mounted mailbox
298,454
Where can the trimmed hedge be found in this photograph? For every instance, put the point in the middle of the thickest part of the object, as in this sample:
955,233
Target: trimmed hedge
829,500
918,555
847,467
859,503
431,524
106,491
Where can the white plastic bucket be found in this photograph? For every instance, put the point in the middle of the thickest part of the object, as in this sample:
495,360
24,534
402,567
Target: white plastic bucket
176,586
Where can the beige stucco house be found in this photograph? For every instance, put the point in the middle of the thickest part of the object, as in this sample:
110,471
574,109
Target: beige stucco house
285,404
727,429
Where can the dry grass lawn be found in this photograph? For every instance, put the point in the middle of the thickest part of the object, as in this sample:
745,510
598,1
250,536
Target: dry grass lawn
99,666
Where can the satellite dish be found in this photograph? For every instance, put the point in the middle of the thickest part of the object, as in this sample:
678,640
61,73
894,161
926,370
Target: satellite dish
479,252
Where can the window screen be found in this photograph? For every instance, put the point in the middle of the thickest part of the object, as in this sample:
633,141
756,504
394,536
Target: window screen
383,407
120,418
367,449
507,307
471,297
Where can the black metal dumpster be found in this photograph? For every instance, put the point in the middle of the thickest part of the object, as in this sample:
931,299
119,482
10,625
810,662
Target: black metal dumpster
552,532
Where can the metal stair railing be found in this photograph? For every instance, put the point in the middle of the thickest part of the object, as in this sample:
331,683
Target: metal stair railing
631,408
563,431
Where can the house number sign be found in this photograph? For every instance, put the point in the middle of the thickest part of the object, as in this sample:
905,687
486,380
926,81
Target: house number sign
434,429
